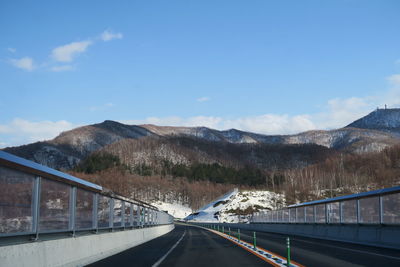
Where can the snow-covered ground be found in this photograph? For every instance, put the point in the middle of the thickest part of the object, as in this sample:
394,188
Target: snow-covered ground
177,210
237,206
210,212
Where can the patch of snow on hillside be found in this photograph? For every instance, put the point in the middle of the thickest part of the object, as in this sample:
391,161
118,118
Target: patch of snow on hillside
177,210
238,206
210,212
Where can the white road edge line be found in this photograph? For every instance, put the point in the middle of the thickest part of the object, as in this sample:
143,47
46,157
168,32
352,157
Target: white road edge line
169,251
348,249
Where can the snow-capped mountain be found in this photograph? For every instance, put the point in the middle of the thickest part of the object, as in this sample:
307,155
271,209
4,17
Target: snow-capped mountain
70,147
176,209
373,132
380,119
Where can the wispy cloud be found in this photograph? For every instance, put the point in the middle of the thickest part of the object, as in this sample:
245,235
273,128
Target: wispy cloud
394,79
62,68
203,99
107,35
336,113
266,123
20,131
25,63
66,53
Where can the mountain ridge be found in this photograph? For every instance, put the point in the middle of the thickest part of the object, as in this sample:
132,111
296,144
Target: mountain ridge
387,120
374,132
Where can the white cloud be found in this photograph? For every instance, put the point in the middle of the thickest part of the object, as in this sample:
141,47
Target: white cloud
108,36
392,97
266,124
203,99
67,52
341,112
62,68
20,131
64,53
271,124
25,63
337,113
394,80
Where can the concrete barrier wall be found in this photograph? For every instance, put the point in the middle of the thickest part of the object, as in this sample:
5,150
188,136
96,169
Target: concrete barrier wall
77,251
373,235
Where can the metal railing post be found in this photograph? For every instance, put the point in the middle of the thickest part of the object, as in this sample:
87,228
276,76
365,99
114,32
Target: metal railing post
131,215
326,214
111,224
315,213
254,240
288,251
95,223
123,214
36,207
72,209
380,210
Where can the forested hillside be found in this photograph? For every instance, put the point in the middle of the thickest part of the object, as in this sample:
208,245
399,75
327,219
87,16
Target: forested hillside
196,164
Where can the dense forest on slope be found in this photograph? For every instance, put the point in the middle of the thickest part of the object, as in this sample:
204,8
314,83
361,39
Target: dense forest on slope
201,160
198,183
343,174
216,173
305,166
155,187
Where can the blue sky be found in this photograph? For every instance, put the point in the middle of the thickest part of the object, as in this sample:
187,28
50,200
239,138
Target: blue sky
272,67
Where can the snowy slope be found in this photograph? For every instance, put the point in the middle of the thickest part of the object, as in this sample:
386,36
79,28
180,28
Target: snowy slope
209,213
177,210
237,206
380,119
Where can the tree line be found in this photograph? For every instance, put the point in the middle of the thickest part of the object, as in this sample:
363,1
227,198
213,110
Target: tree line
197,182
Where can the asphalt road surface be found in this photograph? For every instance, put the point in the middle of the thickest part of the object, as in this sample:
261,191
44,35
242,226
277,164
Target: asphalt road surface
198,247
193,246
315,252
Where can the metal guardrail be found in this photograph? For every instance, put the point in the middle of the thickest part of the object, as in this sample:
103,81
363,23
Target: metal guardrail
374,207
35,199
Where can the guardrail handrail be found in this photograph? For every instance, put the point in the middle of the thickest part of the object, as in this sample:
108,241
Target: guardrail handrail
373,207
35,199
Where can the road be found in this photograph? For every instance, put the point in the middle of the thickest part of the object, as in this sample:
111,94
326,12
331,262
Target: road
199,247
315,252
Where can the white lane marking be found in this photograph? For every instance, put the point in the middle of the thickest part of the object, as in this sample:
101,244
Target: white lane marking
271,258
169,251
348,249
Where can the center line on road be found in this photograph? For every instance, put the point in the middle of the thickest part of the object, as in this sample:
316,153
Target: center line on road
169,251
